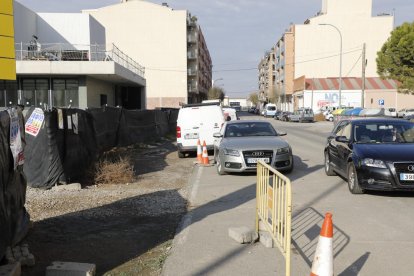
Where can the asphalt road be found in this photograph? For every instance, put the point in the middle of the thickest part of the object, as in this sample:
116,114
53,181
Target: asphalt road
373,232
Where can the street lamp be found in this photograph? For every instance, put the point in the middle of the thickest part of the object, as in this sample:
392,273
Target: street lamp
340,60
213,81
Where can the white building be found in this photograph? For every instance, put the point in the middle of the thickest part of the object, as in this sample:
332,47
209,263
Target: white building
63,60
317,46
167,42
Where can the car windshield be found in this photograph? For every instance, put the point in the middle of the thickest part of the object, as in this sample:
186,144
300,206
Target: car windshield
384,132
271,108
249,129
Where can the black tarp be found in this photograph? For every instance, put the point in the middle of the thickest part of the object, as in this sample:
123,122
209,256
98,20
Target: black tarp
44,153
14,220
71,140
137,126
106,124
80,148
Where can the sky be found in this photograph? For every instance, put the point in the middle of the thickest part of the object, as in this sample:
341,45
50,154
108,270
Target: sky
237,32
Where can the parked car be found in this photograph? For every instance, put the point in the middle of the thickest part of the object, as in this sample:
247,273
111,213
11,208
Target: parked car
372,154
269,110
276,117
285,116
241,144
197,121
252,109
405,112
301,115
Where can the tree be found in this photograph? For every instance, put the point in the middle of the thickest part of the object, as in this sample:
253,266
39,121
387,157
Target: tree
254,98
396,58
216,93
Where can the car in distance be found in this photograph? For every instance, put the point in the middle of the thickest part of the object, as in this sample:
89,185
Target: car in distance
241,144
301,115
269,110
372,154
284,116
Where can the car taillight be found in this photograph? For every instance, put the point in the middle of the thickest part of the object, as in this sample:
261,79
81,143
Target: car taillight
178,132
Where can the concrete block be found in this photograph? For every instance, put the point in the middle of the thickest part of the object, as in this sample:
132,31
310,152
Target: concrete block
243,234
70,269
67,187
11,270
266,239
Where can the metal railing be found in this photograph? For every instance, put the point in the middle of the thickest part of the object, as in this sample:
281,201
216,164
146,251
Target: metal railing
76,52
274,208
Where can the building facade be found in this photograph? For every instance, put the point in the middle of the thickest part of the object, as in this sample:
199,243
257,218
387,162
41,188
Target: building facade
62,60
167,42
313,49
267,88
375,92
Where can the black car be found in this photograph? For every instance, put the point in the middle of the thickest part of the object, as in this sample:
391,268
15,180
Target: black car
372,154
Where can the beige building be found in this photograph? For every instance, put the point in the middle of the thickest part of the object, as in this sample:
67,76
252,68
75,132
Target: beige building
317,47
313,49
167,42
284,69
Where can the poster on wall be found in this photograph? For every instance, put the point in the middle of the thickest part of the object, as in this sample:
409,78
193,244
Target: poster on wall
16,146
35,121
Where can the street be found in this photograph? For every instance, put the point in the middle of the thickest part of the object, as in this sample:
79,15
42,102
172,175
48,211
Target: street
372,232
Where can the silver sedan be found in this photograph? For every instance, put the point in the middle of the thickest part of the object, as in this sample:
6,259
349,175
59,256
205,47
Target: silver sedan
241,144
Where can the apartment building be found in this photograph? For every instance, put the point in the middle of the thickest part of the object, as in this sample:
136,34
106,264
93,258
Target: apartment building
168,43
312,49
284,69
266,68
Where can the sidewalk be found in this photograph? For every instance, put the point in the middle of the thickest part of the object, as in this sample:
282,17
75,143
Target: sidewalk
202,245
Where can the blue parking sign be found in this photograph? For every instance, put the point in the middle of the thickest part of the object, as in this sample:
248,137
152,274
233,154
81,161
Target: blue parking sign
381,102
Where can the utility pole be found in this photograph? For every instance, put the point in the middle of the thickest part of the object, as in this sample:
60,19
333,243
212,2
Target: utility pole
364,65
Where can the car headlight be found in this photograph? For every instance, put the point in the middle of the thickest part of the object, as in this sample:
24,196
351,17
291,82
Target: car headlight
369,162
283,150
231,152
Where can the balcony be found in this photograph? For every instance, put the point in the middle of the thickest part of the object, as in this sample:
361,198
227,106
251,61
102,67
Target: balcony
71,52
192,54
192,72
192,39
192,88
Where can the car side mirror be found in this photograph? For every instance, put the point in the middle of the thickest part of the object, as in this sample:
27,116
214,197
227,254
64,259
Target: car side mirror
281,133
217,135
341,139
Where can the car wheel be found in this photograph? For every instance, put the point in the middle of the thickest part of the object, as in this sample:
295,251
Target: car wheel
180,154
353,183
330,119
219,167
291,168
328,168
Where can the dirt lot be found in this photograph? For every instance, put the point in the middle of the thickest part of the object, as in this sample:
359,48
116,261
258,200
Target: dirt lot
124,229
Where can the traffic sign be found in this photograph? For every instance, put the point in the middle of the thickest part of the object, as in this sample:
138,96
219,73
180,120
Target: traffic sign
381,102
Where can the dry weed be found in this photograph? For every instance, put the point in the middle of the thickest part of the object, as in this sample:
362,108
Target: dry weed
114,171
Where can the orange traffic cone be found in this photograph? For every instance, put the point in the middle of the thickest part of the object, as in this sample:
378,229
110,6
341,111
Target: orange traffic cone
205,154
199,152
323,260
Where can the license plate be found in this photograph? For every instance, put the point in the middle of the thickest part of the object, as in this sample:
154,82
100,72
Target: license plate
407,176
255,160
191,136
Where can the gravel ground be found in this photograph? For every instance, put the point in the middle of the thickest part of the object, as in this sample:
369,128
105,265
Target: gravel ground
125,229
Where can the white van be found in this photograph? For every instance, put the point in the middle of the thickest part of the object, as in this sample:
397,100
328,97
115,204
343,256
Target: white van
230,112
197,121
270,110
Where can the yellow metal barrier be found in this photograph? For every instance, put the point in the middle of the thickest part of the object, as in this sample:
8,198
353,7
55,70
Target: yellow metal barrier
274,207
